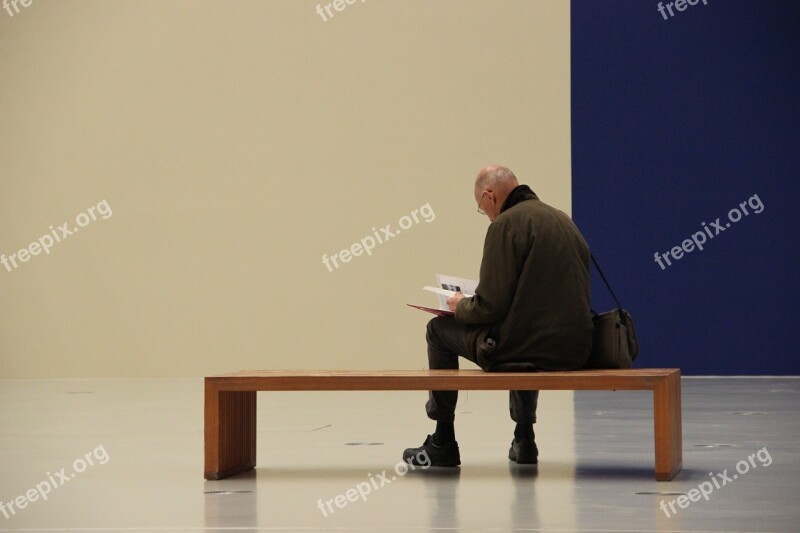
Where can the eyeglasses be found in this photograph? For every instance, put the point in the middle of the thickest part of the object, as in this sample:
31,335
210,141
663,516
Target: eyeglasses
481,211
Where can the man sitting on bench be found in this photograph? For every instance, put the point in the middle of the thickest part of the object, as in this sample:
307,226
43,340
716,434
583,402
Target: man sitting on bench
530,311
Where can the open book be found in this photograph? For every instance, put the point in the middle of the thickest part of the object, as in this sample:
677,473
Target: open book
446,287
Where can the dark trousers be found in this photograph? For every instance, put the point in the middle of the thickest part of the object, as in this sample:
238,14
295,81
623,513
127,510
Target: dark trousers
447,340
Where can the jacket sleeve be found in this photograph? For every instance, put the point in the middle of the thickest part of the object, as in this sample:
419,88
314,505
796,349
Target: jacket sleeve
500,269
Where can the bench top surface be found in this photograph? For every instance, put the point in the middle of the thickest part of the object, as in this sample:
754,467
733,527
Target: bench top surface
431,373
630,379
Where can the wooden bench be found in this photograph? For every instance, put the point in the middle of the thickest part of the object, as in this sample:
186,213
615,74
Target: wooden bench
230,402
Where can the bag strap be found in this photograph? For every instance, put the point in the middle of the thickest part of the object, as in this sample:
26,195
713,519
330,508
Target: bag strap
608,286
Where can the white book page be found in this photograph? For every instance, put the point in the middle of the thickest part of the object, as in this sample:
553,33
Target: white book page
452,284
443,292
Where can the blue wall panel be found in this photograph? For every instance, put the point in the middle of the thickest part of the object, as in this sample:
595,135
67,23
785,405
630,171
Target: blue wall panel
674,123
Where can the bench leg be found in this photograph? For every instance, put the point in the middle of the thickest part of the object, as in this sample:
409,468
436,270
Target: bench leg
667,417
230,432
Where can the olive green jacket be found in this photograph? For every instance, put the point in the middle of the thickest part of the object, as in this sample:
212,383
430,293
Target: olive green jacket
530,311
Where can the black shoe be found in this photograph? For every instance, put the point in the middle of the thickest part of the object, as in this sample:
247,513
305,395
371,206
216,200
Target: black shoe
524,452
430,454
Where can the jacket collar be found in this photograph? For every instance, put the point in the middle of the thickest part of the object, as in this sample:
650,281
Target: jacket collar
518,194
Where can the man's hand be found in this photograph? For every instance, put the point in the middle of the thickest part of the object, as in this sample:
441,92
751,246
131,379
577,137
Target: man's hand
452,302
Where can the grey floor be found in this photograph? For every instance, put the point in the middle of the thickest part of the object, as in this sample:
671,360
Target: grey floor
132,458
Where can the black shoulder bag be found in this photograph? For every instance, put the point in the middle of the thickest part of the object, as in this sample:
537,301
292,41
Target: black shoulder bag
614,342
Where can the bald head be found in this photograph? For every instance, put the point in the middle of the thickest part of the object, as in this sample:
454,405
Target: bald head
495,178
492,186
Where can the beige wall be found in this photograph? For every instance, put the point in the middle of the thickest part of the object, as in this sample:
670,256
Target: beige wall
235,144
